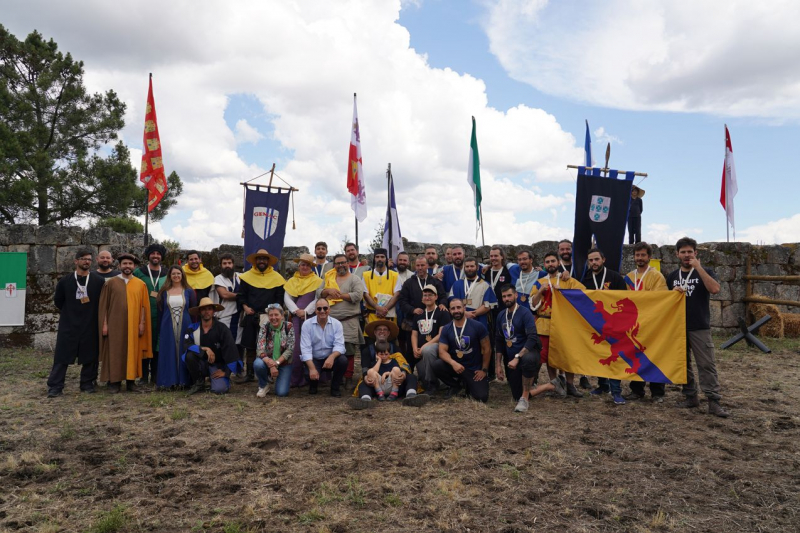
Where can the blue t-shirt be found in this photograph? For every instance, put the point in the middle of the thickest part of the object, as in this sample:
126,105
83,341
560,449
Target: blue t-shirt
522,333
474,333
487,297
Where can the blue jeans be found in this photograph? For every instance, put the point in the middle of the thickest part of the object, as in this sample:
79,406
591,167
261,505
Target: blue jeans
614,384
281,382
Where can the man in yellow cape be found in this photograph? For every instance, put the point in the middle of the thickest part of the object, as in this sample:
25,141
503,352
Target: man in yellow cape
197,276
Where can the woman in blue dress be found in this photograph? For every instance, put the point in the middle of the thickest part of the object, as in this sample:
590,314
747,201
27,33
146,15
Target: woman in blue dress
174,300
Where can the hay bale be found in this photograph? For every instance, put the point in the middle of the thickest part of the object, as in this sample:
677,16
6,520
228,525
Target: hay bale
775,327
791,325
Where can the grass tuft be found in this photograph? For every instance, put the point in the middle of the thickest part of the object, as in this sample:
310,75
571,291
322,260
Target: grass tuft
111,521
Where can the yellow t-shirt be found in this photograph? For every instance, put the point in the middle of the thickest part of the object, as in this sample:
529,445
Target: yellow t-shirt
379,284
653,281
546,307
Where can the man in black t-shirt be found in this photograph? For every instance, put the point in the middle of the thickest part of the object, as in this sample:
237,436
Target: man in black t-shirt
699,284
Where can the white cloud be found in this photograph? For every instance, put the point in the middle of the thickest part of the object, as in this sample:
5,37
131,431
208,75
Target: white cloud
737,58
245,133
774,232
666,234
303,61
601,136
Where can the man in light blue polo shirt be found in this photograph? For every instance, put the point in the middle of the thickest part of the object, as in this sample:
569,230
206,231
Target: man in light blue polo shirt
322,348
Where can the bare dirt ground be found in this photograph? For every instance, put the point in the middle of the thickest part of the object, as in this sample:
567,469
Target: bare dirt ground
164,462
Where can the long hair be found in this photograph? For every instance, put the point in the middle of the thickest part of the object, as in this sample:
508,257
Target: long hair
168,283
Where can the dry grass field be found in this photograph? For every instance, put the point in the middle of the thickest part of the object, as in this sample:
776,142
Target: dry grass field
164,462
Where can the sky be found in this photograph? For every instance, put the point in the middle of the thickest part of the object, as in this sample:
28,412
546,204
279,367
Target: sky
240,86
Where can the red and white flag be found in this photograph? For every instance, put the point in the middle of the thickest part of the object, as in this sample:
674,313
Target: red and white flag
729,188
355,174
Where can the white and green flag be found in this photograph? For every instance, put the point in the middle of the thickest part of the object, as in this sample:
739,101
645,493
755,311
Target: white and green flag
13,273
474,172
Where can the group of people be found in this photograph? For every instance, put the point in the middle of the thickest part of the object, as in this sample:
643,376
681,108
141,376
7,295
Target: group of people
415,325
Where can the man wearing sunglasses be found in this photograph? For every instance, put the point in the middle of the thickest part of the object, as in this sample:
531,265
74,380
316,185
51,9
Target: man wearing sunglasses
322,348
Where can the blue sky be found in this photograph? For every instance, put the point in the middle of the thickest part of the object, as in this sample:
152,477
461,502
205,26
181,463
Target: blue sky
276,85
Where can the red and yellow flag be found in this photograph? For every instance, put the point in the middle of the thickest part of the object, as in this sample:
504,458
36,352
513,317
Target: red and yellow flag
152,173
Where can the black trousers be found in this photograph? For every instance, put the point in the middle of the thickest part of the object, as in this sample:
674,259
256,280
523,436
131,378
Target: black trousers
527,367
656,389
479,390
339,368
409,383
58,375
634,230
150,368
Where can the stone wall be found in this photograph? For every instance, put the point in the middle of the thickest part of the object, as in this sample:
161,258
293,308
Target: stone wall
51,251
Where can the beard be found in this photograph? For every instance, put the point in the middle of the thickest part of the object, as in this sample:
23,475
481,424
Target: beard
596,268
380,264
552,270
566,257
642,262
342,271
228,272
431,262
510,304
127,271
457,315
402,268
261,267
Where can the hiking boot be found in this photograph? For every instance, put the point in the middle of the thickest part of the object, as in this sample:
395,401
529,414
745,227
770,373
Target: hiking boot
618,399
689,402
416,400
54,393
247,378
358,404
714,408
196,388
132,387
114,388
599,392
561,390
633,396
572,391
89,391
336,393
312,387
522,406
452,391
584,383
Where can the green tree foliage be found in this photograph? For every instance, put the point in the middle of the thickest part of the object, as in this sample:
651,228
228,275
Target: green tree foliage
120,224
52,135
377,240
174,189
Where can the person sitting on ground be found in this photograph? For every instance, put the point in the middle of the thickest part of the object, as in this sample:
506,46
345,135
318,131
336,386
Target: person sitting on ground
386,373
211,350
425,338
322,348
274,353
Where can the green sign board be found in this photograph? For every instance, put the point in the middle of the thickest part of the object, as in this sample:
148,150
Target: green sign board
13,275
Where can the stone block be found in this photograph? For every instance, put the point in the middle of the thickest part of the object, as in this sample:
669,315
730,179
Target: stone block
778,254
4,237
706,256
60,235
788,292
20,248
794,258
731,314
291,252
725,273
668,251
65,257
42,284
766,289
45,341
3,248
38,304
482,253
731,253
100,236
41,323
42,259
724,293
737,291
715,308
22,234
542,247
415,248
770,269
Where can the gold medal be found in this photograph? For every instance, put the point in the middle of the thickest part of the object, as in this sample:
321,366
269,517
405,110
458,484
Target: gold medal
523,298
509,342
85,300
459,354
428,338
153,294
468,302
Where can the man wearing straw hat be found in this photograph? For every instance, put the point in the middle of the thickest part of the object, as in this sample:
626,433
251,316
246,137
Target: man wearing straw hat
211,350
299,298
259,287
635,215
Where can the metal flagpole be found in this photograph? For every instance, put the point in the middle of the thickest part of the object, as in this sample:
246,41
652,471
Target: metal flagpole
356,241
389,209
146,214
483,241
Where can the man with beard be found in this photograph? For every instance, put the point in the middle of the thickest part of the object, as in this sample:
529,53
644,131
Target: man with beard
454,272
425,338
448,256
211,352
477,295
344,291
497,274
104,265
226,289
153,275
402,267
403,274
525,276
258,287
78,299
645,278
432,258
542,300
411,302
518,346
354,263
381,289
197,276
464,354
321,264
123,317
600,278
698,284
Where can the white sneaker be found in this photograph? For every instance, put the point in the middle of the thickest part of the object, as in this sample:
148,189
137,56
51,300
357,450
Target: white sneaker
263,392
522,406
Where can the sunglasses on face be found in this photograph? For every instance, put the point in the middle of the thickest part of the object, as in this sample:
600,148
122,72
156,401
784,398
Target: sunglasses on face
320,309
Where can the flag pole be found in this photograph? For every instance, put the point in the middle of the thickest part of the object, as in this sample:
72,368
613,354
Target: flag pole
356,219
147,199
389,209
483,241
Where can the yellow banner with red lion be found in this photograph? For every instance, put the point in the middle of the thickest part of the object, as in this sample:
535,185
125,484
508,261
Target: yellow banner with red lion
630,335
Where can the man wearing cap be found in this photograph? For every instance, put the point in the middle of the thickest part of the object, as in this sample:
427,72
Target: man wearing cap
211,351
299,298
77,298
125,328
635,211
344,292
464,353
105,263
425,338
381,289
260,286
322,346
153,275
197,276
381,331
321,264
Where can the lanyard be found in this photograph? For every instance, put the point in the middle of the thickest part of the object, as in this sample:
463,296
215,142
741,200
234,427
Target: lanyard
558,282
638,284
468,288
570,267
509,323
83,290
602,281
150,273
492,279
684,282
460,274
459,335
523,279
419,282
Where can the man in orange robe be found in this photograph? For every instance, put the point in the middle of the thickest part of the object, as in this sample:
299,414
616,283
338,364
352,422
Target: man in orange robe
125,328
